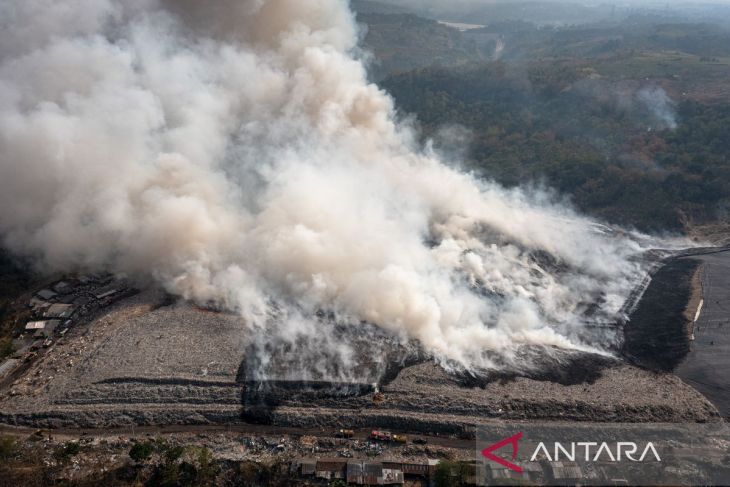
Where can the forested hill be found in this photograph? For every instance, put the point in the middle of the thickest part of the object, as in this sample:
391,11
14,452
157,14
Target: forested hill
607,140
403,42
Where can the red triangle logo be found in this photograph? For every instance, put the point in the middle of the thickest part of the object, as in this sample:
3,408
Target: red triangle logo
512,440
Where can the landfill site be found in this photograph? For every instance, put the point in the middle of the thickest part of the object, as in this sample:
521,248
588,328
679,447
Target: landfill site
92,359
120,364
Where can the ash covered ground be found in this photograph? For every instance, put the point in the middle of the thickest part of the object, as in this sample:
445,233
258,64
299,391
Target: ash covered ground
147,360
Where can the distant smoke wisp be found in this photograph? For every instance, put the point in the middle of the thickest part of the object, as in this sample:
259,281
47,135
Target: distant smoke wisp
659,105
234,151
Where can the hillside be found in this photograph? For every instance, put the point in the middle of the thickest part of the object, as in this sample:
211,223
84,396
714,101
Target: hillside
631,132
404,42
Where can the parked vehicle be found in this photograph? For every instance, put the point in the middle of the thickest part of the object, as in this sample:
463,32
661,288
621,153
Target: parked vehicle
378,435
345,434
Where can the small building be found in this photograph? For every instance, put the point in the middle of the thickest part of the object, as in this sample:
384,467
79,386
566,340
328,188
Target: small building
59,310
331,468
419,469
63,287
38,304
354,472
46,294
533,471
392,476
35,325
41,329
568,472
372,473
500,474
307,467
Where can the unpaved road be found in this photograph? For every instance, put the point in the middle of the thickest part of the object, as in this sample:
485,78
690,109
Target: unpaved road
243,429
707,366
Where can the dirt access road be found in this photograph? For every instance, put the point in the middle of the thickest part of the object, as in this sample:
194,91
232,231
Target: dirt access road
243,429
707,366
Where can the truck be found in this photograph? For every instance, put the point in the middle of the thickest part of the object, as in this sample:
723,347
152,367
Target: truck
344,434
377,435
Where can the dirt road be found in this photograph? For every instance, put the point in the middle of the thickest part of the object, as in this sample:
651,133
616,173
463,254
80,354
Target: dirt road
242,429
707,366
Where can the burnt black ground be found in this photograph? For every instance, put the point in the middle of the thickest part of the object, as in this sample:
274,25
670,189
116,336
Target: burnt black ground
655,336
707,365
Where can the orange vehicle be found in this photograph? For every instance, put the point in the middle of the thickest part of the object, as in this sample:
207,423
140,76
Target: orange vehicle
345,434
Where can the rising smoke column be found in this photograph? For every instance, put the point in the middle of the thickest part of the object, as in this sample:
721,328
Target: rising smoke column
661,107
235,152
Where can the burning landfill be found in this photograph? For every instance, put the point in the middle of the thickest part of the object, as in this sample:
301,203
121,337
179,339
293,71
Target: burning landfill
236,153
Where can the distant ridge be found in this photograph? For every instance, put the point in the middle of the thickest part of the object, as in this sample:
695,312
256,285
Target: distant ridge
375,7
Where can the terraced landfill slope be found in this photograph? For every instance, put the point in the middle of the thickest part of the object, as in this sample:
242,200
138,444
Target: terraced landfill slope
143,361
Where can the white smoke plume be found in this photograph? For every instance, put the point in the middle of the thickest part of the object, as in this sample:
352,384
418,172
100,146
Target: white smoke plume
235,152
659,105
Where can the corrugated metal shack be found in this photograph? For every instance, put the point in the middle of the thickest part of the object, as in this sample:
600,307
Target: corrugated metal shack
46,294
372,473
365,472
331,468
565,471
42,329
307,466
59,310
392,476
354,472
421,469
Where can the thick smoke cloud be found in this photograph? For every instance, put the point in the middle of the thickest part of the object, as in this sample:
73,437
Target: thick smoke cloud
234,152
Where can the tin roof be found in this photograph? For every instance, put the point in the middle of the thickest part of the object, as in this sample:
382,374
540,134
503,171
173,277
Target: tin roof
60,311
46,294
35,325
566,470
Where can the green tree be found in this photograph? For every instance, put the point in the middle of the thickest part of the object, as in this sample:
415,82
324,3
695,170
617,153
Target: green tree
8,447
141,451
68,450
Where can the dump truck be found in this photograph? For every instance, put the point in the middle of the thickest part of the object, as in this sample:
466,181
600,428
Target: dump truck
378,435
344,434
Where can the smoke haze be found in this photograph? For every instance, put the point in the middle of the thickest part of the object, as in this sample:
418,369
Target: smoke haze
235,152
660,105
